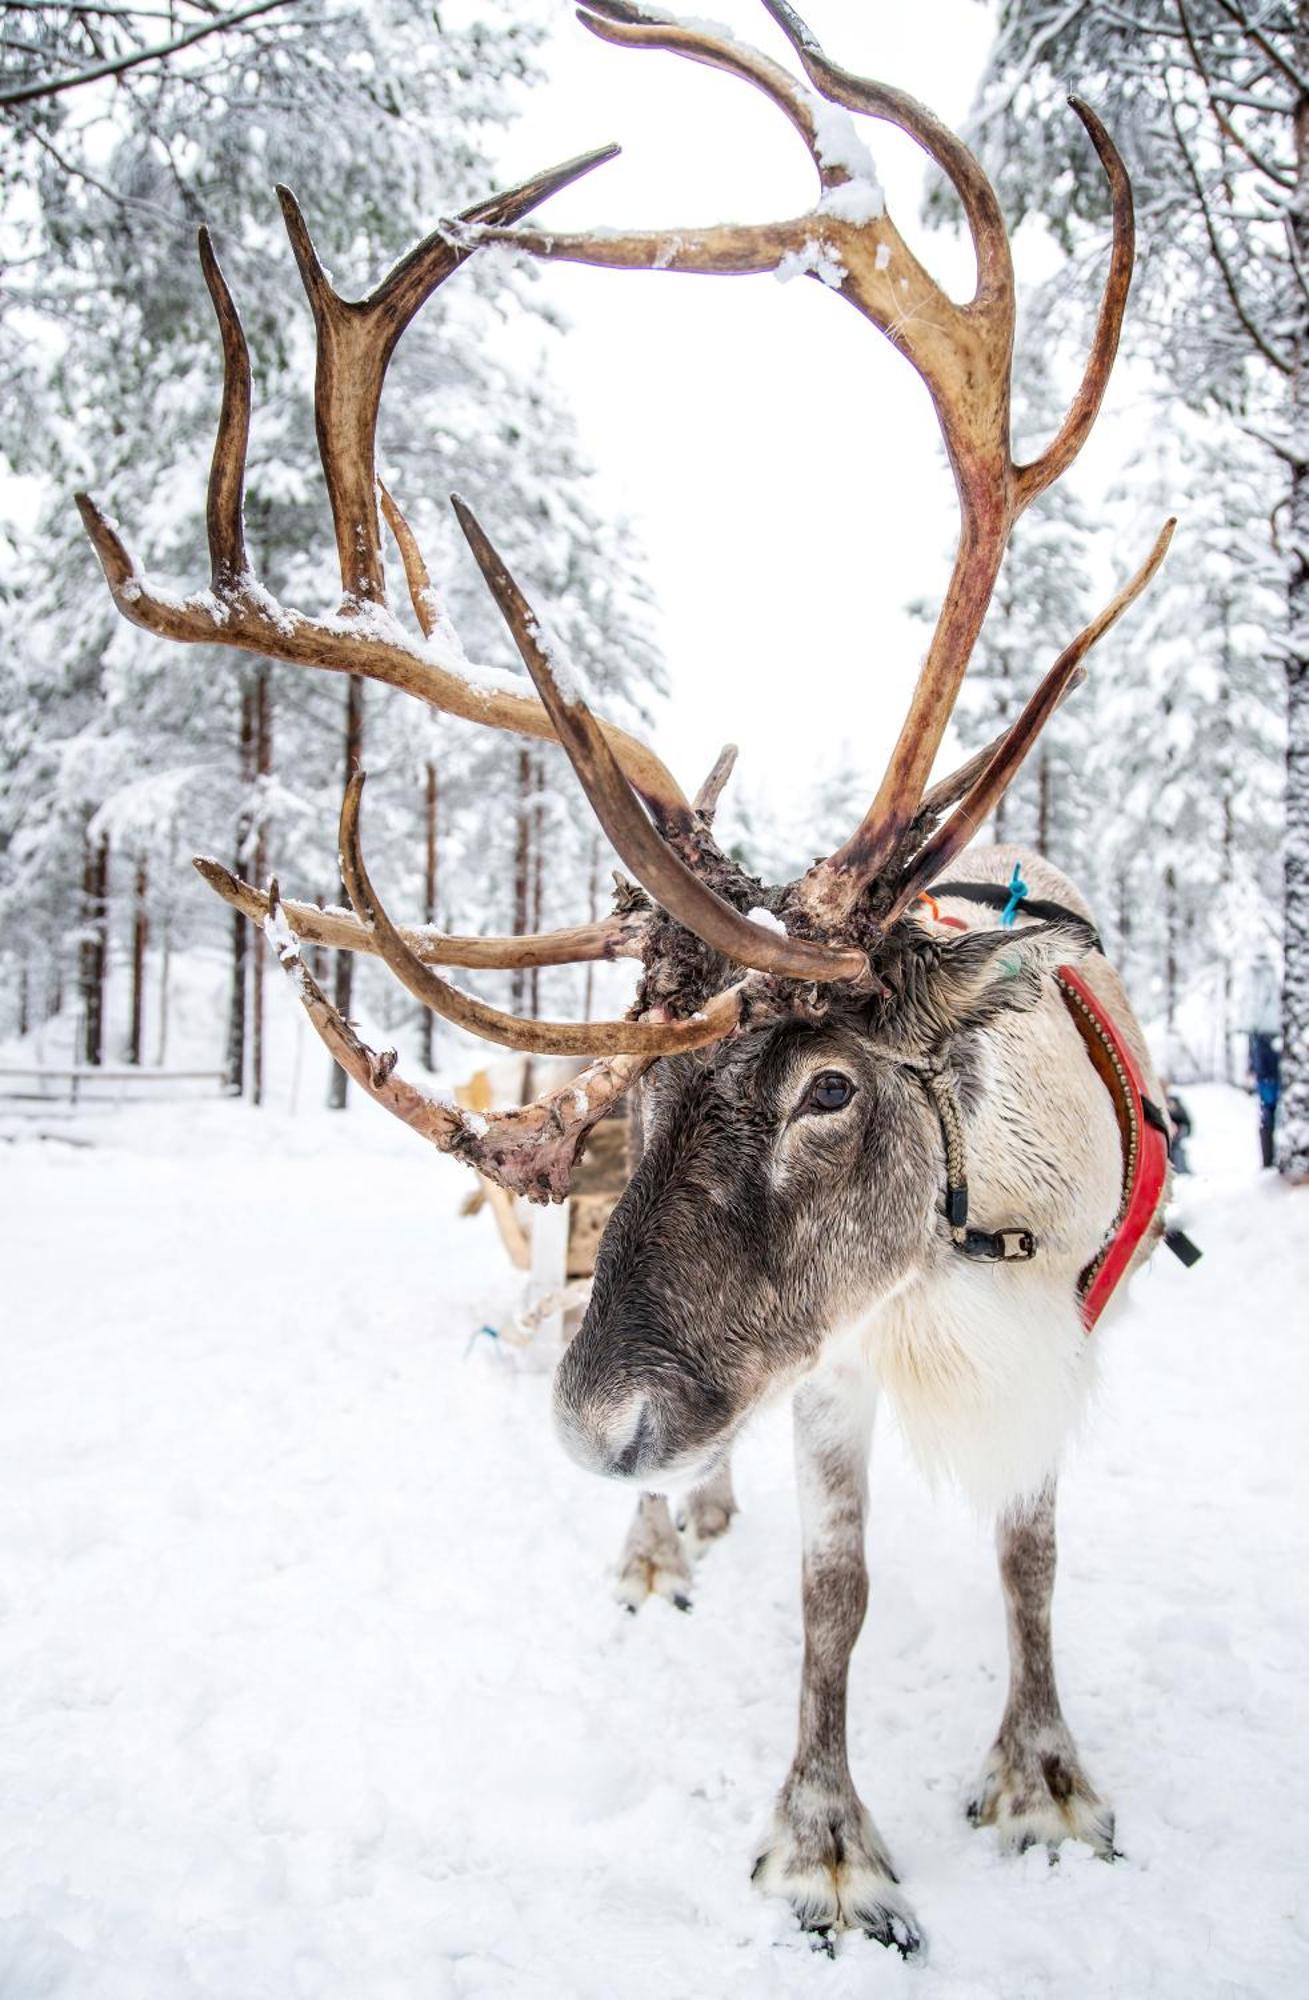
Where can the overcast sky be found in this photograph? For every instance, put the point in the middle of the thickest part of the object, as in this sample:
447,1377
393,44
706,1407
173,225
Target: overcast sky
780,460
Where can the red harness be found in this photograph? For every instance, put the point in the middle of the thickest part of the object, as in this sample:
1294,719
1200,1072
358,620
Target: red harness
1141,1124
1144,1133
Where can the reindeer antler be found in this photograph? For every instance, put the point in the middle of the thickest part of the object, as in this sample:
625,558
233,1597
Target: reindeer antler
962,352
840,910
356,340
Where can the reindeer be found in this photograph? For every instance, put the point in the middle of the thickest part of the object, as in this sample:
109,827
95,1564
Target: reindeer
873,1150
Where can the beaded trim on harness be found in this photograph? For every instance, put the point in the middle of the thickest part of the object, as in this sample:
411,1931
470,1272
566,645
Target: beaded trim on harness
1089,1023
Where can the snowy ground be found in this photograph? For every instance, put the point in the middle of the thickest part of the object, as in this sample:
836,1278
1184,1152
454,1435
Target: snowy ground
310,1684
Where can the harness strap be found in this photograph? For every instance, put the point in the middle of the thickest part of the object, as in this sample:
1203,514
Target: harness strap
988,1246
999,896
1144,1132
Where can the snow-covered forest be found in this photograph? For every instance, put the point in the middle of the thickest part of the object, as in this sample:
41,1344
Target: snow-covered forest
312,1678
121,759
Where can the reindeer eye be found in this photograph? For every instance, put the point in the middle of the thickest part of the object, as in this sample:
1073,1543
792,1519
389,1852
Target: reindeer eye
829,1091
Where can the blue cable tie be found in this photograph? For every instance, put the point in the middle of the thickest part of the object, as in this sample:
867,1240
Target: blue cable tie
1017,894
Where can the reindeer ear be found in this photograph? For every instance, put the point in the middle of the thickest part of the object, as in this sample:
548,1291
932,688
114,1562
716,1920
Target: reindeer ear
989,972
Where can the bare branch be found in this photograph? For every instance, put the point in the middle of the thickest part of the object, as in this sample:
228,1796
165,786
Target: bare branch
27,93
1283,177
1276,56
1281,362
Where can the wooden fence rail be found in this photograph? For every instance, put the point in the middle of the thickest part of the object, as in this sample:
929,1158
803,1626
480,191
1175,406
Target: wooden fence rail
44,1084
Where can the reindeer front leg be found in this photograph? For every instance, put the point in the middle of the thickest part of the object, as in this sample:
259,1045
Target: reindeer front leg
1032,1787
825,1855
653,1562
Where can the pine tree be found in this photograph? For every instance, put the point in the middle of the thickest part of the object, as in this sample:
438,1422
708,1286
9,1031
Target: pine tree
394,120
1209,100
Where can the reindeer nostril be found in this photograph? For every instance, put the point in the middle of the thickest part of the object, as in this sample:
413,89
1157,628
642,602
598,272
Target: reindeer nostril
617,1438
625,1463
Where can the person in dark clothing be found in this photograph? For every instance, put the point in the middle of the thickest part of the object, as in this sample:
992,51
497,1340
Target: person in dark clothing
1266,1069
1263,1020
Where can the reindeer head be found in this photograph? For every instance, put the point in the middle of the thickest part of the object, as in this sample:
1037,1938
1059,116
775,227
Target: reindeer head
792,1162
789,1179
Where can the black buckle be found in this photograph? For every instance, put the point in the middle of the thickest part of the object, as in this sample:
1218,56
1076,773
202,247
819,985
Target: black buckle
1183,1249
999,1246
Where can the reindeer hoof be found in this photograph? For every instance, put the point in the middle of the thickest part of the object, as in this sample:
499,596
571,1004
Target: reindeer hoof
1037,1795
663,1575
826,1859
700,1526
894,1928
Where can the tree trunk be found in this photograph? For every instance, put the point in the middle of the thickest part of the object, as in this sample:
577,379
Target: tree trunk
318,953
522,921
1170,953
343,981
165,907
94,954
140,938
431,800
1293,1115
236,1017
165,976
538,881
1123,913
592,911
1293,1112
1043,789
24,1007
263,767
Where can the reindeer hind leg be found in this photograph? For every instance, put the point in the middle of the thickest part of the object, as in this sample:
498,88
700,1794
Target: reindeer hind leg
707,1513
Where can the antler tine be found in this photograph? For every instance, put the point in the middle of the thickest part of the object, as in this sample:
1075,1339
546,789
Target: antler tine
639,846
990,786
733,249
225,508
648,1037
443,1124
418,581
614,937
235,611
1085,408
355,342
706,799
632,27
896,107
530,1150
952,788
